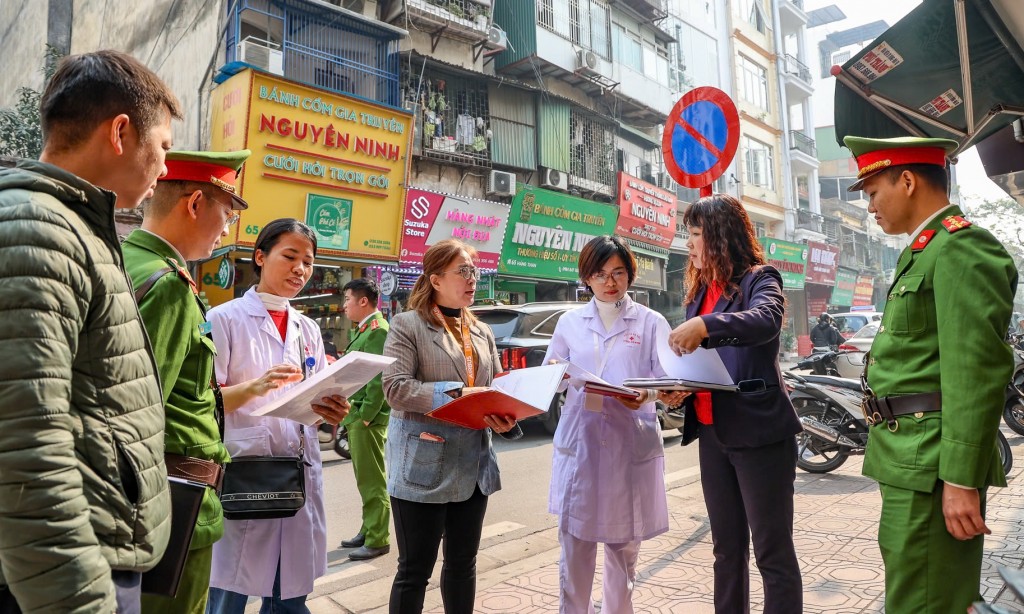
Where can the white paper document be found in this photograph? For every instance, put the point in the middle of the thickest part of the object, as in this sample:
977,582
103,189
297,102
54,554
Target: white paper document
701,369
535,386
345,377
579,376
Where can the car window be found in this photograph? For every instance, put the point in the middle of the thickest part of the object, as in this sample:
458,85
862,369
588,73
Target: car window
866,332
547,327
503,323
850,324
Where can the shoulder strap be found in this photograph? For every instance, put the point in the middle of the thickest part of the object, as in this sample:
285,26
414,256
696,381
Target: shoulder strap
147,285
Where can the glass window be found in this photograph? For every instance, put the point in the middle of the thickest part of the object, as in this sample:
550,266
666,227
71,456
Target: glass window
753,13
697,58
754,83
650,60
584,22
760,165
627,49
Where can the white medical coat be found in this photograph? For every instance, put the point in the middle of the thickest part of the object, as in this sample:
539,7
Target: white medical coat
245,560
608,471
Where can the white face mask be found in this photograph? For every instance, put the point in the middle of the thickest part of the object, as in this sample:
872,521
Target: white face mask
273,302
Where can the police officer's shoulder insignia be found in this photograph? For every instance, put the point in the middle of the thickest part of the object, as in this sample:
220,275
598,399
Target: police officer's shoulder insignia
183,274
374,324
954,223
922,240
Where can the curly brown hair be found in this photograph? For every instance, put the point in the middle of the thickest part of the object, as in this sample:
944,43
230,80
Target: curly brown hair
730,244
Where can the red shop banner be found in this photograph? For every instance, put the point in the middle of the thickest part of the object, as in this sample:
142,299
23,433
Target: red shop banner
431,217
863,292
647,213
822,263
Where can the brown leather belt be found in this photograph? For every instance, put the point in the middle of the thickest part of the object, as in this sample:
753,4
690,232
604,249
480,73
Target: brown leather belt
887,409
195,469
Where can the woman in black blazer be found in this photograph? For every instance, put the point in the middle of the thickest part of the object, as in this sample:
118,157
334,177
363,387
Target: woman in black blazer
734,303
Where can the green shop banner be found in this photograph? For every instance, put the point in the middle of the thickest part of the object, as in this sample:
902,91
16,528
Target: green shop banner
547,230
330,218
789,258
846,283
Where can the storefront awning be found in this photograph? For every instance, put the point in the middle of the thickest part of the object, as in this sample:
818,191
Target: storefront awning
647,249
950,68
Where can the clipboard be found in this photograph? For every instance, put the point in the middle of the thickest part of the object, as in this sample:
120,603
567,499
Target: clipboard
522,393
186,499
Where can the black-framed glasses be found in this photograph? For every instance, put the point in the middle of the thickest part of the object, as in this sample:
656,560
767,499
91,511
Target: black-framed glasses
467,272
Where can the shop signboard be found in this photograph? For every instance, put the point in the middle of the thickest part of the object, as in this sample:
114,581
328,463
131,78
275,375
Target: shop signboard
789,258
646,212
431,217
846,283
863,293
547,230
822,262
308,142
650,272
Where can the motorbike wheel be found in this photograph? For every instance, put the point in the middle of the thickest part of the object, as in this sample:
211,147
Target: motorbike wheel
1005,452
1013,414
341,443
812,454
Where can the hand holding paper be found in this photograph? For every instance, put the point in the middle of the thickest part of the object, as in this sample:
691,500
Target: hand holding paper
519,394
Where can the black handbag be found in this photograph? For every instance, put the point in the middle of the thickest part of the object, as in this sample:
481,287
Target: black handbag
258,487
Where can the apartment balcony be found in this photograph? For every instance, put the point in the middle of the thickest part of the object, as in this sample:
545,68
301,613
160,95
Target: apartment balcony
652,10
792,16
466,20
803,154
808,220
798,80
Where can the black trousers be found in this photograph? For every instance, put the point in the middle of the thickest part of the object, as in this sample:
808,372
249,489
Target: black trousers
749,494
419,528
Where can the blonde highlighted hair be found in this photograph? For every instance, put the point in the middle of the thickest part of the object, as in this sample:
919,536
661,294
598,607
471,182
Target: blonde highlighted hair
435,262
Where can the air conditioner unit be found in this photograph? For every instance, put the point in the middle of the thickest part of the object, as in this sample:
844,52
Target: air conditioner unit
497,41
586,61
261,54
501,183
554,179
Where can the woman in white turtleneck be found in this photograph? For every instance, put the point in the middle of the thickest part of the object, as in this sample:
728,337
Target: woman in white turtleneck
279,558
608,471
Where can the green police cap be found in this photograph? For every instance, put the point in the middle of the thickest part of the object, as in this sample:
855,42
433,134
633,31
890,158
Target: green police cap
876,155
218,168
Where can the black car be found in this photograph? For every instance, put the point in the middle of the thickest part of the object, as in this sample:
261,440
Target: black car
522,333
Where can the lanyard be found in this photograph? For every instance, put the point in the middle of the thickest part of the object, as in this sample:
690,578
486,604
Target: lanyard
467,345
603,356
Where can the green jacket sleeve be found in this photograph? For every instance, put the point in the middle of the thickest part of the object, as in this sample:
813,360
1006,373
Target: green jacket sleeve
167,312
975,281
49,554
373,393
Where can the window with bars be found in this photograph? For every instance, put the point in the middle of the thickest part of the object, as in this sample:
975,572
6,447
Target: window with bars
593,148
456,118
760,164
754,83
760,229
584,22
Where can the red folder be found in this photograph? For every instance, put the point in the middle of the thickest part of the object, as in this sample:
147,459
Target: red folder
616,392
469,411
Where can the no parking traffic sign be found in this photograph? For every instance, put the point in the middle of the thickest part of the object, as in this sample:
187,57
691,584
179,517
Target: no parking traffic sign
701,137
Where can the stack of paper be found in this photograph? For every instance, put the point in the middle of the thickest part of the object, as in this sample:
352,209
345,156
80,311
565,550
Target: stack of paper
701,369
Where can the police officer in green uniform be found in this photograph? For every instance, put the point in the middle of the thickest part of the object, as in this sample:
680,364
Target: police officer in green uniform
188,215
935,378
367,424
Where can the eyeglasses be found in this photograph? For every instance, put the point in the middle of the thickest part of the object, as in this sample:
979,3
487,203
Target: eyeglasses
601,277
232,220
466,272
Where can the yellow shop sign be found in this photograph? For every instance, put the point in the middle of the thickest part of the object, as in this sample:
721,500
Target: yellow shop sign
311,146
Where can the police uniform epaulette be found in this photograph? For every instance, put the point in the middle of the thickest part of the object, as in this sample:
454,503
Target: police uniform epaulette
183,274
954,223
922,240
375,324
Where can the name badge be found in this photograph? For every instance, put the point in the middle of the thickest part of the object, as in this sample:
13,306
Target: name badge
205,328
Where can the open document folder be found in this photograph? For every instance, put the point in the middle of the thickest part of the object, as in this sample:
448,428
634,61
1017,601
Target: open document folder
596,385
701,369
345,377
520,394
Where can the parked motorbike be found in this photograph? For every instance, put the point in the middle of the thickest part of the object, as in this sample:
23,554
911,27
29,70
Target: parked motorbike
1013,409
834,426
341,442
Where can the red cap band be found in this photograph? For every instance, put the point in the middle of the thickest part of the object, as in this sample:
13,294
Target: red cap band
881,158
183,170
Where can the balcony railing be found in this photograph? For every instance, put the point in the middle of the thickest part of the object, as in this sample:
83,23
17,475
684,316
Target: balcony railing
795,67
808,220
802,142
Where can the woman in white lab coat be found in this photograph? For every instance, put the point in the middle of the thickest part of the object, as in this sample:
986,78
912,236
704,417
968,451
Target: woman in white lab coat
608,472
277,559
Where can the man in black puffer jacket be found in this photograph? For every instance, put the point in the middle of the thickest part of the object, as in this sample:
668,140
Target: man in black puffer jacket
84,506
825,334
